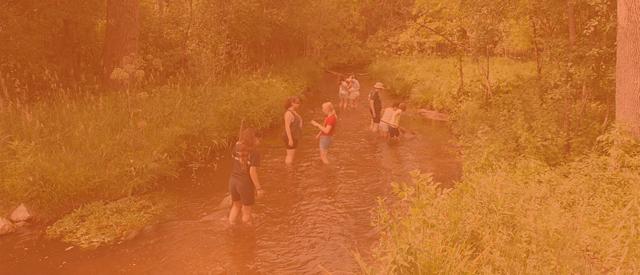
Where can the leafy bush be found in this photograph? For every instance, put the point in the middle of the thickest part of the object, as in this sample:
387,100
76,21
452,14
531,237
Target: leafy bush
524,116
101,223
523,218
63,153
543,190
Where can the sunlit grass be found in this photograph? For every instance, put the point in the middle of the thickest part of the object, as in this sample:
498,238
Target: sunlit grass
102,223
62,153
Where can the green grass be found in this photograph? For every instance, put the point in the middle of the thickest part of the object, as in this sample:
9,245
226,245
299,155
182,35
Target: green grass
64,153
433,83
104,223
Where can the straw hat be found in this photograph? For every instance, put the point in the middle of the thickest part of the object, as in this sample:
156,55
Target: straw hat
379,85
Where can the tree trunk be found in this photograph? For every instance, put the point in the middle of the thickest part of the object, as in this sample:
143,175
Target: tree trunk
122,32
536,48
488,67
571,16
461,72
628,66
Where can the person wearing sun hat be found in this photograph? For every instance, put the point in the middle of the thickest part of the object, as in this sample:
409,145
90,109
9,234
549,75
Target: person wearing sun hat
375,105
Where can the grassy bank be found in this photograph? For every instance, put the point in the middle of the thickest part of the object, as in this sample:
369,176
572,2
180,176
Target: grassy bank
433,82
546,188
64,153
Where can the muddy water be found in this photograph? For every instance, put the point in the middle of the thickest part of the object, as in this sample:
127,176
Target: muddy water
312,219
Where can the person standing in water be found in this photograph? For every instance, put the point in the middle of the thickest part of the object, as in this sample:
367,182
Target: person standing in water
394,122
375,106
244,183
385,121
325,136
292,127
343,94
354,91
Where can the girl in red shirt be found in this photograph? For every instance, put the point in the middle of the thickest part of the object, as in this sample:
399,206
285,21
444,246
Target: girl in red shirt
325,136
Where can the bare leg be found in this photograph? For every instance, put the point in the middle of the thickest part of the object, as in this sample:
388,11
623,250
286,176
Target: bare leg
374,127
323,156
235,210
291,153
246,215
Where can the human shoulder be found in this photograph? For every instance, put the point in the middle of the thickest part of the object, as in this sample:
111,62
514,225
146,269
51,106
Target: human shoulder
332,119
254,158
289,114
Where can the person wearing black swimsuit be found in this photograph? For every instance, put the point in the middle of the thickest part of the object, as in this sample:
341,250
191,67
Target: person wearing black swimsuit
292,127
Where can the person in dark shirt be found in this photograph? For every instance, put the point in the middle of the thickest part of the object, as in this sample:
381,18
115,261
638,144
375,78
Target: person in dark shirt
244,182
327,129
292,127
375,106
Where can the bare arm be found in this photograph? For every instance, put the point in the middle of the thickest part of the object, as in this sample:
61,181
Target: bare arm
371,107
253,172
287,125
323,129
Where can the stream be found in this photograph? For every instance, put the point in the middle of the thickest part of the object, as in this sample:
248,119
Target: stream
312,219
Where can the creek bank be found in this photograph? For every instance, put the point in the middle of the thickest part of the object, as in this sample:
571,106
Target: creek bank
19,217
112,221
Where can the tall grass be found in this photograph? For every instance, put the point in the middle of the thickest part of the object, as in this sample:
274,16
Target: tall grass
62,153
546,189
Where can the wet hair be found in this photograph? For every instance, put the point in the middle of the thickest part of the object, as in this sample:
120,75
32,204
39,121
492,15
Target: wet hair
246,144
290,100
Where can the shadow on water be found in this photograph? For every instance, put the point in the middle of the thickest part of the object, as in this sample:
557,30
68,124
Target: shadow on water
311,220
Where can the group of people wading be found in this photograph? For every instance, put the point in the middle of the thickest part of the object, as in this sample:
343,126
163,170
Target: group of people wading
244,183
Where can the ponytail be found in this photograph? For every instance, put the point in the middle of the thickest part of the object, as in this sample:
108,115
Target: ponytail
246,144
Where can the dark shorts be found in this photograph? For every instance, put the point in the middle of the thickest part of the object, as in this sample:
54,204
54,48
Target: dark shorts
242,191
286,143
394,132
376,118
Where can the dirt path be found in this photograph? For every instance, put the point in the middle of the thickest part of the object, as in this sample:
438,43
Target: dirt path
312,219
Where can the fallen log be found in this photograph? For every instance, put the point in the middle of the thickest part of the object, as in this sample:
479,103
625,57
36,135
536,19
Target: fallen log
433,115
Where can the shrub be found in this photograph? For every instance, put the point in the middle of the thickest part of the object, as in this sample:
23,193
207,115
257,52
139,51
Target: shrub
523,218
541,191
102,223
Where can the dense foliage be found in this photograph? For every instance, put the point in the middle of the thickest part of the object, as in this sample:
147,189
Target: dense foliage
48,46
535,197
549,186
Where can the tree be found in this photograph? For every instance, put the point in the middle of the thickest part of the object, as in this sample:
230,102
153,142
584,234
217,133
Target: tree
122,33
628,65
